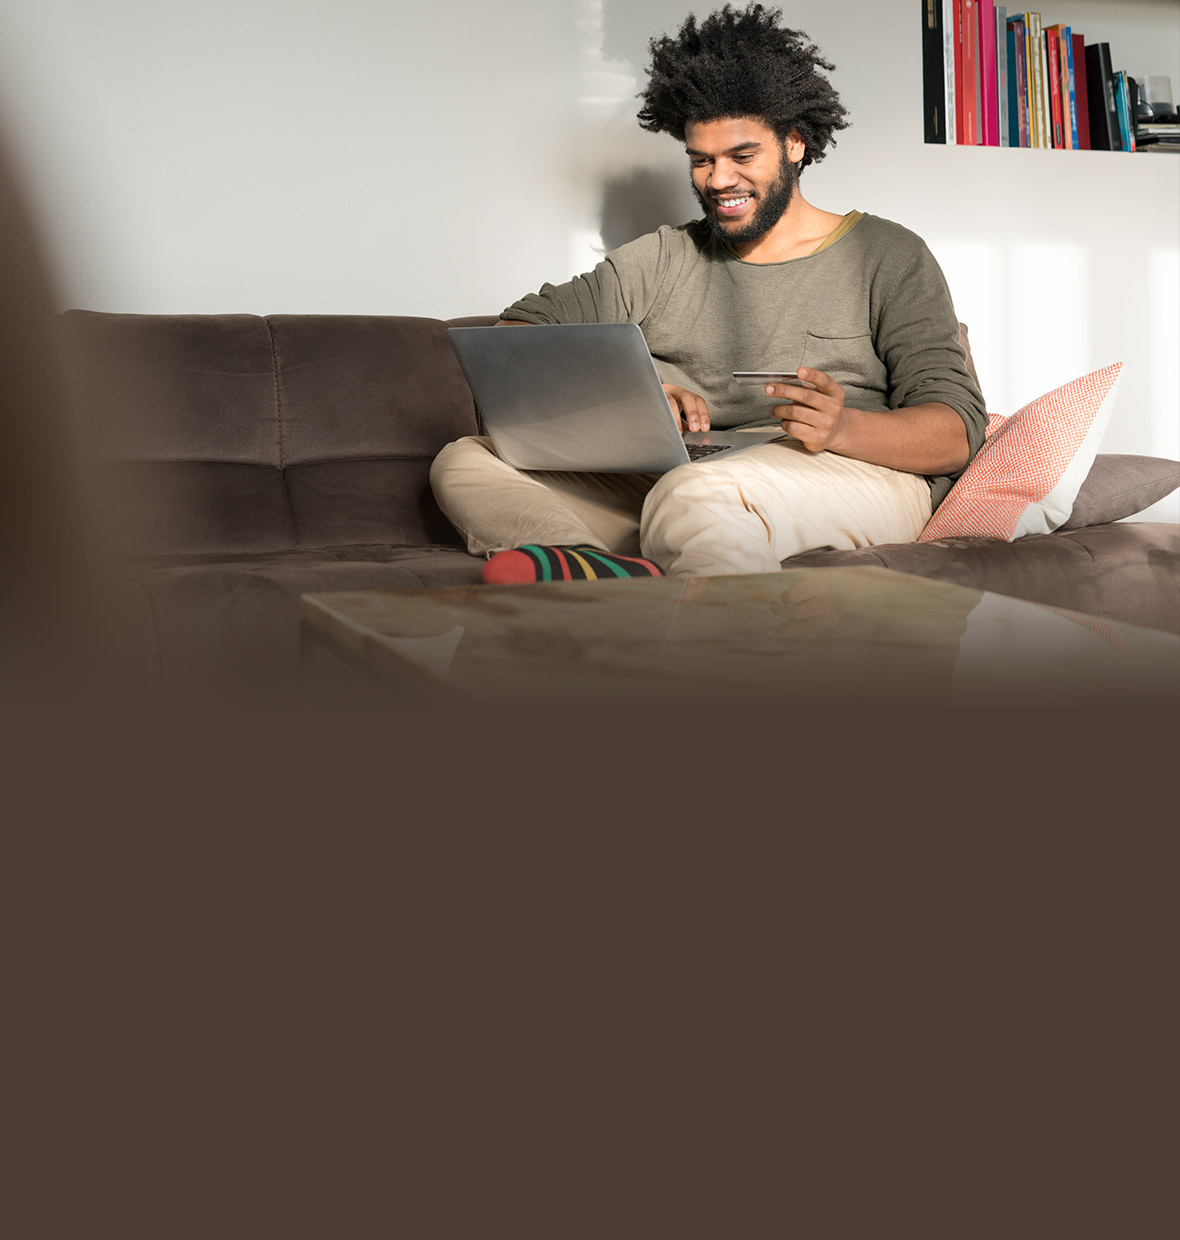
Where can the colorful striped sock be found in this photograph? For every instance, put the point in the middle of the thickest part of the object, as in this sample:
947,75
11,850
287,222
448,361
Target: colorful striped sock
581,563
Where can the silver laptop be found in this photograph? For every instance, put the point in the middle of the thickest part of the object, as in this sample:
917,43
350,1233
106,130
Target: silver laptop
579,397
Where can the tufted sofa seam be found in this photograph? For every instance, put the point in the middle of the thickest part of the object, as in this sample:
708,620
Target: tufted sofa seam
157,626
274,366
324,460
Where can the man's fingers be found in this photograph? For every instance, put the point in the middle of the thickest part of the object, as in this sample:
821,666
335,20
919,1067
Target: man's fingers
698,413
693,412
824,382
804,432
790,391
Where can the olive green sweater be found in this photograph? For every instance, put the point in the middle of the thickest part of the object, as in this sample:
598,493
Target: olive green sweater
872,310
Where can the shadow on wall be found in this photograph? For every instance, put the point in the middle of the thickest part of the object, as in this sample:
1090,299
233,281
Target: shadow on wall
640,201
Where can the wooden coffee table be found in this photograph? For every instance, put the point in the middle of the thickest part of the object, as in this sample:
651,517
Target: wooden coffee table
820,635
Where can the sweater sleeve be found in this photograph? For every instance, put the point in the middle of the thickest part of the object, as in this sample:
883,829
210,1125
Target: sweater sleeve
917,337
621,289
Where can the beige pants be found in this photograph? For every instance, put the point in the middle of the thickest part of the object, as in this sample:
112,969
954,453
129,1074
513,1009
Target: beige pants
742,513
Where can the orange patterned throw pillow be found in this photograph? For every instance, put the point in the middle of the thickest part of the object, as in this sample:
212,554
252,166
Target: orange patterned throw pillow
1025,478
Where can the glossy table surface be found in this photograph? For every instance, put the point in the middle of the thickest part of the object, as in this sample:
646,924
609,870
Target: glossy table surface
825,635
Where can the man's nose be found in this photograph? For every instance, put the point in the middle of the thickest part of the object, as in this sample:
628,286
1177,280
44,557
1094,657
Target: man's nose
724,174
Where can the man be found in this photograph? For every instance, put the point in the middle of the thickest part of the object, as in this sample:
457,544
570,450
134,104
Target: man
765,281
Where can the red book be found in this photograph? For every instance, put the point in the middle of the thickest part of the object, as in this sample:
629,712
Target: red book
958,41
967,81
1081,91
1053,64
1064,54
990,102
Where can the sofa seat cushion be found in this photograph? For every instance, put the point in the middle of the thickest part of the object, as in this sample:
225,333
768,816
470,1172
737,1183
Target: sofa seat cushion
234,433
1126,571
230,623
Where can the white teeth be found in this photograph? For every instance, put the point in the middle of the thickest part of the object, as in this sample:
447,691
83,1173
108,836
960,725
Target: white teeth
734,202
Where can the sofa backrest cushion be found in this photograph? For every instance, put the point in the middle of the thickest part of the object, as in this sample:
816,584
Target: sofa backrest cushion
236,433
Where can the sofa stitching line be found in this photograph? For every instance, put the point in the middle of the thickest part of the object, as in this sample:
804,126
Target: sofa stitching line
274,366
327,460
156,627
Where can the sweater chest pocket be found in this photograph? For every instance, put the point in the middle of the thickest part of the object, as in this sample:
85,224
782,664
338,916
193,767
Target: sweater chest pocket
850,360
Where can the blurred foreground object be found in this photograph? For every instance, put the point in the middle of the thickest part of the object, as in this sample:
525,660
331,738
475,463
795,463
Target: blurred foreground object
46,612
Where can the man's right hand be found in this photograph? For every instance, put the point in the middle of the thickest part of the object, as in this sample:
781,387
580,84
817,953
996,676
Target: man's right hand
689,408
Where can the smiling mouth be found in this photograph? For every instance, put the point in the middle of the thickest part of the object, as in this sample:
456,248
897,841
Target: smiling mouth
731,204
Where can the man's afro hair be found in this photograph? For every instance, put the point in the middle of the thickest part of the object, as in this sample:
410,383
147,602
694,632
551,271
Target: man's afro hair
742,63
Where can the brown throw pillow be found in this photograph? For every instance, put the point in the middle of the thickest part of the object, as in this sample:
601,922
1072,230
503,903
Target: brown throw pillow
1120,486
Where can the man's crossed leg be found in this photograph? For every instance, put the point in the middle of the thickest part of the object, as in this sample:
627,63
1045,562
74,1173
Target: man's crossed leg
741,513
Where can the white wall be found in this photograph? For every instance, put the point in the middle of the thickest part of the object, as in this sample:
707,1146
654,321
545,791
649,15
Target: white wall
384,157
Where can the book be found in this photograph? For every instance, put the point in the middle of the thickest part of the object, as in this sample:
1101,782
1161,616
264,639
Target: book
1038,88
1158,135
1001,50
1018,69
989,77
948,68
1065,87
933,80
1053,75
1158,138
978,76
1104,121
1126,117
1069,97
1032,38
957,75
967,74
1081,90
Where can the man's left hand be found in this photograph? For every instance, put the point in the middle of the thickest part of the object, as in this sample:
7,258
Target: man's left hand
815,418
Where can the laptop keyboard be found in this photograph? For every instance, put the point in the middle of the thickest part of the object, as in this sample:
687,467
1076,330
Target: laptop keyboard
696,451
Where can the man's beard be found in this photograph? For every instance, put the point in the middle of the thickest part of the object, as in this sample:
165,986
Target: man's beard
767,212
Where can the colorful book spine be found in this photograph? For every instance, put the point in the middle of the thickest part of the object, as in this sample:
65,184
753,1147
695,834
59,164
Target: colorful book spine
1019,71
960,110
948,68
1060,41
1029,84
989,77
1122,102
1069,97
1013,93
1053,77
968,83
933,84
1038,93
1081,90
978,77
1001,48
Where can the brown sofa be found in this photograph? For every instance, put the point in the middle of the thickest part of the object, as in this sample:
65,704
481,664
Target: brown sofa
254,459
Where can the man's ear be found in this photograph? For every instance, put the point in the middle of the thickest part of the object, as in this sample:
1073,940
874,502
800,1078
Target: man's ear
794,146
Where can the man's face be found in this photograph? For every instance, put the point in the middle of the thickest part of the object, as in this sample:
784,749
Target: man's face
741,174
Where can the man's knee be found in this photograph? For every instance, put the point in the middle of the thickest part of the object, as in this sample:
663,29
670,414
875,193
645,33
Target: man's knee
686,487
697,520
469,450
698,497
